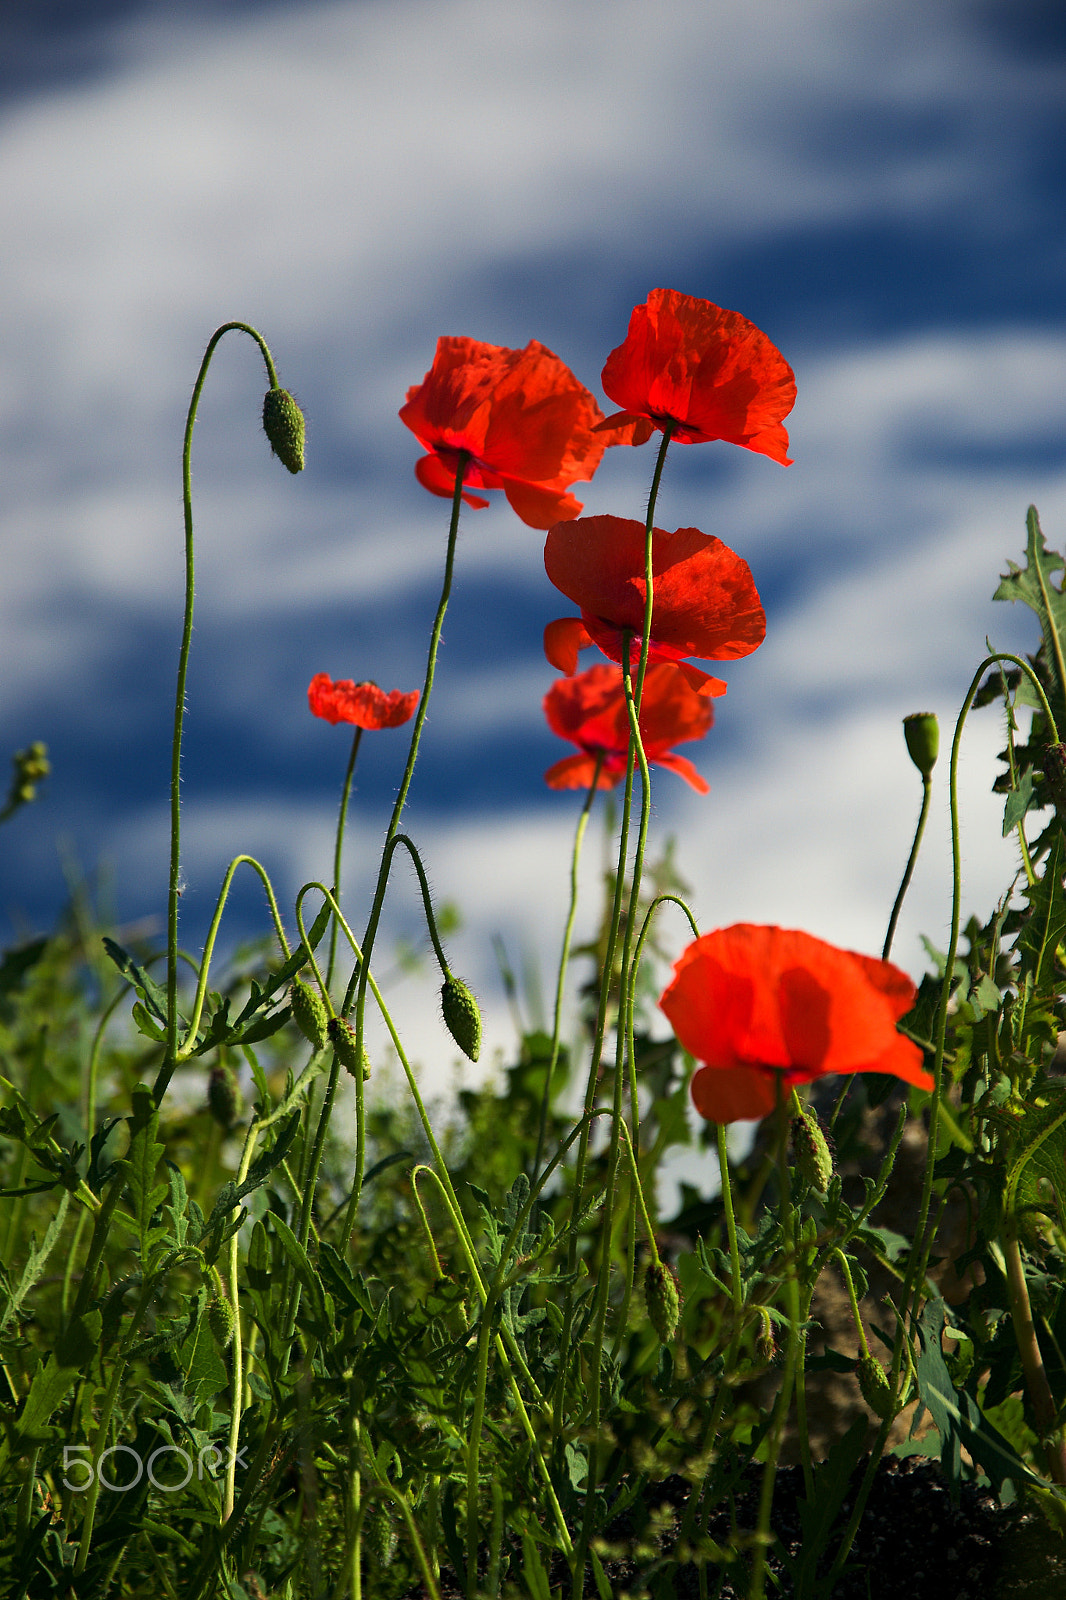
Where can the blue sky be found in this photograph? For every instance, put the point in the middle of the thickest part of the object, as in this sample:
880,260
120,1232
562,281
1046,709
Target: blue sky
879,184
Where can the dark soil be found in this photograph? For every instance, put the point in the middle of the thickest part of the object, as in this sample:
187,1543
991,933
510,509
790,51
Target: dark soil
914,1543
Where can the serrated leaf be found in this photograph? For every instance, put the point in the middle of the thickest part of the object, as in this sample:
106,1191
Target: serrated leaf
1036,1174
1033,585
1045,925
154,997
141,1161
73,1352
36,1262
1018,802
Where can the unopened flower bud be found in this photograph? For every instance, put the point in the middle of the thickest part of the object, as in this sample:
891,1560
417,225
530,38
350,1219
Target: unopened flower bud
283,424
342,1038
875,1387
309,1013
663,1300
222,1320
922,733
812,1151
461,1016
765,1343
223,1096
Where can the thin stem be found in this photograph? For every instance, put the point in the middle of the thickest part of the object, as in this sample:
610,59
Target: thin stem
842,1262
237,1366
170,1060
908,872
357,985
560,982
1036,1379
338,848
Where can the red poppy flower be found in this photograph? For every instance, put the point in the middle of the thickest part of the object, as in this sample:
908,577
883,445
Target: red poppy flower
710,372
522,417
705,600
591,711
758,1004
362,703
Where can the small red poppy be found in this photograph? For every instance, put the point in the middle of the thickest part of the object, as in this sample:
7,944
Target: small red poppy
590,710
711,373
764,1006
524,420
705,602
362,703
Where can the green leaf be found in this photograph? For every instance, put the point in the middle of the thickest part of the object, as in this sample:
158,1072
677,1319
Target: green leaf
74,1350
958,1418
321,1303
155,998
1045,925
1036,1172
1018,802
36,1262
1033,585
141,1162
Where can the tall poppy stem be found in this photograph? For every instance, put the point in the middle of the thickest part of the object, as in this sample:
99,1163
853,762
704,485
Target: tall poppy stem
356,991
623,1024
170,1058
338,848
560,982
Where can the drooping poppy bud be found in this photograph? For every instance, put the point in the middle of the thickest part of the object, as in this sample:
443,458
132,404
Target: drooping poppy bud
222,1320
309,1013
283,424
461,1016
812,1151
765,1343
875,1387
922,733
663,1300
342,1038
223,1096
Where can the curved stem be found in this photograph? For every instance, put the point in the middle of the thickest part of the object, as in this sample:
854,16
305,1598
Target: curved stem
170,1060
338,847
189,1044
908,871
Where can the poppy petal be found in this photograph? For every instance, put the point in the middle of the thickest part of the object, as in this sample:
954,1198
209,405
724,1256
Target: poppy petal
562,641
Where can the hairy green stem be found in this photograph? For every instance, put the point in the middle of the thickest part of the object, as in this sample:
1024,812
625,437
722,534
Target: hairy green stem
171,1057
560,982
338,848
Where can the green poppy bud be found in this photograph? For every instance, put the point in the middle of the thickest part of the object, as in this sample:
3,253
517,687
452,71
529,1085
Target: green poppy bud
309,1013
223,1096
663,1300
283,424
461,1016
922,733
222,1320
875,1387
765,1343
811,1148
342,1038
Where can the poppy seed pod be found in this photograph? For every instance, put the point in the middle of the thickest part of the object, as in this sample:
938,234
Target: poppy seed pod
283,424
342,1038
461,1016
922,733
223,1096
812,1152
663,1300
309,1013
222,1320
875,1387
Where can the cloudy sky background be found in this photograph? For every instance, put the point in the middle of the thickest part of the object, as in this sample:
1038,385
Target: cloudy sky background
878,184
